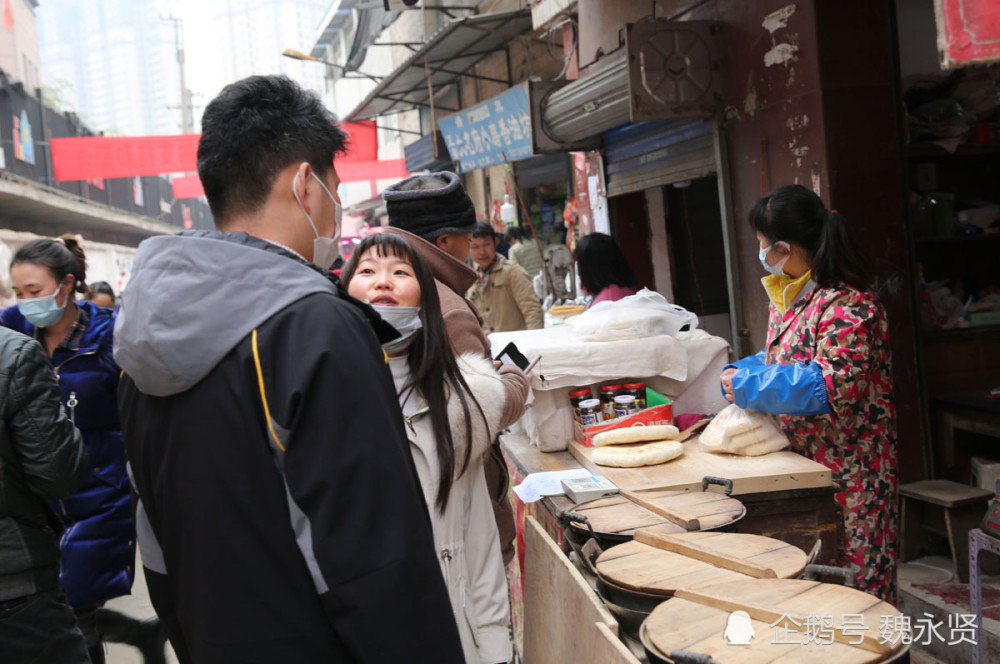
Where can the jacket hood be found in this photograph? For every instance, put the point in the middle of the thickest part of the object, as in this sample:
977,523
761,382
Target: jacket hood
447,269
194,296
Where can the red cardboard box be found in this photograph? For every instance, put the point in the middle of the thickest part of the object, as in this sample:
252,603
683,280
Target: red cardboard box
644,418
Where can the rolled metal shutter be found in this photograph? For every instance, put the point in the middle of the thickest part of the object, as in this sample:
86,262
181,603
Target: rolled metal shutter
651,154
589,106
420,154
548,169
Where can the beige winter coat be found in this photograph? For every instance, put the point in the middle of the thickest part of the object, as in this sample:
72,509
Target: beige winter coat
507,301
466,539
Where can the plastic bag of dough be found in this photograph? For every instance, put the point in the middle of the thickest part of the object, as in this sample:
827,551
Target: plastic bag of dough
645,314
745,432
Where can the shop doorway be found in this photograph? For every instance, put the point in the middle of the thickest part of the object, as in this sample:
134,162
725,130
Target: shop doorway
697,252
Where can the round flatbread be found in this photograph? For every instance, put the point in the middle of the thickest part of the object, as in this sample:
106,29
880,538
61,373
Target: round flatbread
634,456
636,434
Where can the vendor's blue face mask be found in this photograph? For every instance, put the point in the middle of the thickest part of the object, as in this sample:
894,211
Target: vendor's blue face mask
42,311
775,269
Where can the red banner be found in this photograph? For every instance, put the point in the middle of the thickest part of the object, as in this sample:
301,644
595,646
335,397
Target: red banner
188,186
87,157
349,171
968,32
363,144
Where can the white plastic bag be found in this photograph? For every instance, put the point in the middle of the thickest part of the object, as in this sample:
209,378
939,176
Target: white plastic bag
745,432
645,314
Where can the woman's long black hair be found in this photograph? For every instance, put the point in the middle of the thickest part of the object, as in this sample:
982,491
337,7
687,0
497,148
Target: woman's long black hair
796,214
601,263
431,359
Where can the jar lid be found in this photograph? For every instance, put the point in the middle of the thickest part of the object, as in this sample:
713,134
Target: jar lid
577,393
608,388
590,403
625,399
634,386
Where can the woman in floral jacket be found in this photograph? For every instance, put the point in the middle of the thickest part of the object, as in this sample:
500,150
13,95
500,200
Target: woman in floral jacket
825,372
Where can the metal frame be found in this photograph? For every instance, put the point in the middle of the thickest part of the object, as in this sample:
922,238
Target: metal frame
462,41
979,541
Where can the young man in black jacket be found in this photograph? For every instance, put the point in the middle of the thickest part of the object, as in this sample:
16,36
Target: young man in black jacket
41,456
280,516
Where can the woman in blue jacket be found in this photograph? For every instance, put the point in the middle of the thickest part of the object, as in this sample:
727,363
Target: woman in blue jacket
98,547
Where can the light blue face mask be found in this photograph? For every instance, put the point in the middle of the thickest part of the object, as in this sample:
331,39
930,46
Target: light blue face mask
42,311
407,322
773,269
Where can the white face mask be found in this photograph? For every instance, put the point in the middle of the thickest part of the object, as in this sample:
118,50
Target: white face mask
407,322
325,249
777,268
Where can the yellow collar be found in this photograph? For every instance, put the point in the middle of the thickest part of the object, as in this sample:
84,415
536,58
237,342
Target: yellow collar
784,290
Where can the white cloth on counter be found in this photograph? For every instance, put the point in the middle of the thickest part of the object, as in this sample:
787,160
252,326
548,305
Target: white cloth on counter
568,362
685,367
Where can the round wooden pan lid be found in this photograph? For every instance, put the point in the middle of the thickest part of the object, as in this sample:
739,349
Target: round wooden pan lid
787,620
684,510
659,564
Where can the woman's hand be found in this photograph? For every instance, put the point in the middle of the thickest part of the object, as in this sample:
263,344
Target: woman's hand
727,383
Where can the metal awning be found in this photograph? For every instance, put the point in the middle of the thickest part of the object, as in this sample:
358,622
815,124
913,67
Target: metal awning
448,55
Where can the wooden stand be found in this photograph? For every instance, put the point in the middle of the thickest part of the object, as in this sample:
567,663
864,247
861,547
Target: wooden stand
944,508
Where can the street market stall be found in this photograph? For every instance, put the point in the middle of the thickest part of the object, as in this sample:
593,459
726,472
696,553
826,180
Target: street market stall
782,497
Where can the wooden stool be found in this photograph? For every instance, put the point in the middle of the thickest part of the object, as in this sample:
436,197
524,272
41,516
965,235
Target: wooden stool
945,508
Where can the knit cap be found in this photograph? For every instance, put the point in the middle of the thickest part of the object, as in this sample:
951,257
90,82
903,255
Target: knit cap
430,205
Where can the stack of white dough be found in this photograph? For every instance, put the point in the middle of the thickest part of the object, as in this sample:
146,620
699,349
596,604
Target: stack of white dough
656,445
746,432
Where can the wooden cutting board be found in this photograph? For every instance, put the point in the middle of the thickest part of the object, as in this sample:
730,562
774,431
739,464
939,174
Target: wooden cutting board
710,558
697,619
778,471
618,514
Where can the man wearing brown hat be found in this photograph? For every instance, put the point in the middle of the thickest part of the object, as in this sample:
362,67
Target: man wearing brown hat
436,215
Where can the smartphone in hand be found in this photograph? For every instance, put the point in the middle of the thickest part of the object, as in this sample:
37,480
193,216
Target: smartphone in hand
511,355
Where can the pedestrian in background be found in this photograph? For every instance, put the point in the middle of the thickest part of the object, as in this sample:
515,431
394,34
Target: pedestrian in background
452,407
503,292
525,252
604,271
280,514
421,209
98,548
42,456
101,294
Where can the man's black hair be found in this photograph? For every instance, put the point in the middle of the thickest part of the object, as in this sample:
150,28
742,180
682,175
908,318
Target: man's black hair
484,230
252,130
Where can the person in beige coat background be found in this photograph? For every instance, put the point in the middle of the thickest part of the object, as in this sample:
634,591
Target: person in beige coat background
503,292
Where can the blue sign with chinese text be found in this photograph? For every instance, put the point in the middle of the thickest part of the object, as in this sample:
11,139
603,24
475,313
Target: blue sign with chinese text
484,134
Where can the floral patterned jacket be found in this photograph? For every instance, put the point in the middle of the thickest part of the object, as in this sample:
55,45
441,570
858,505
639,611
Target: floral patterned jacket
844,333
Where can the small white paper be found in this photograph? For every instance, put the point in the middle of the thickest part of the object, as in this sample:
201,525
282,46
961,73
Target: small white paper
537,485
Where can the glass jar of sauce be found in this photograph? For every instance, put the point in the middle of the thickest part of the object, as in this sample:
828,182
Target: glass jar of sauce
608,394
638,390
625,405
590,412
575,397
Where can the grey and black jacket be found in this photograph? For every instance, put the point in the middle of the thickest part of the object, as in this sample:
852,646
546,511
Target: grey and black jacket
41,456
281,518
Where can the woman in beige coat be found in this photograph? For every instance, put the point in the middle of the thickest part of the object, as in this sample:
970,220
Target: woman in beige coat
452,409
